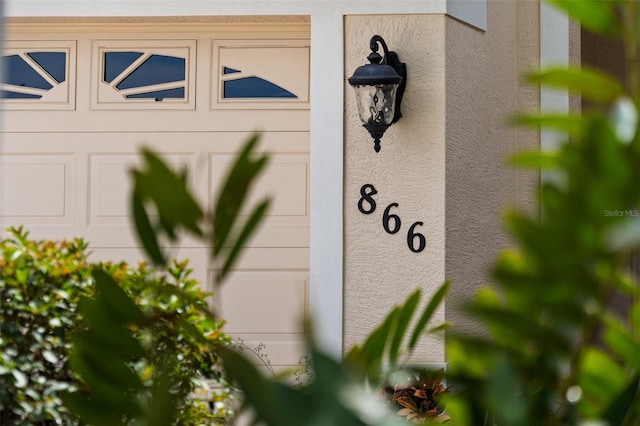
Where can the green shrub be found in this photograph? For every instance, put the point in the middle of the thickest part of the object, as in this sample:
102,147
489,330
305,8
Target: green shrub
41,285
177,329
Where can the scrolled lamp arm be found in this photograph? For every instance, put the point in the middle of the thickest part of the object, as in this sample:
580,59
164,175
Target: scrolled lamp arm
390,58
373,45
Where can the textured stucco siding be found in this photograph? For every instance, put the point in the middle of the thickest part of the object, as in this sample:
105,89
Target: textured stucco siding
485,89
444,163
380,270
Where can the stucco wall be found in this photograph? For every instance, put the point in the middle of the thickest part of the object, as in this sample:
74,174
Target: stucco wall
484,90
380,270
444,163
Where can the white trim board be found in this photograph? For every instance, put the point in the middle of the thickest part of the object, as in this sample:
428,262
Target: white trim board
473,12
554,50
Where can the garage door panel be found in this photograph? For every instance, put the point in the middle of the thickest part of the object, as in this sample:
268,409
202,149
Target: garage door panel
286,181
111,185
280,236
199,260
265,309
262,258
37,189
155,121
121,141
90,190
65,166
248,300
280,354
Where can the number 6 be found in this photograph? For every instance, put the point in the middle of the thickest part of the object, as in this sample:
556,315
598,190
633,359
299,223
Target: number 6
412,236
386,217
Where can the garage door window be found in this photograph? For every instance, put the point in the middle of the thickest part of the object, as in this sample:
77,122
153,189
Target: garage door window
251,87
37,75
145,76
260,74
154,74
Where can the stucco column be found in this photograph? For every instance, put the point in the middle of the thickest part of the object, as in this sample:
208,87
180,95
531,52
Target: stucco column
380,268
444,163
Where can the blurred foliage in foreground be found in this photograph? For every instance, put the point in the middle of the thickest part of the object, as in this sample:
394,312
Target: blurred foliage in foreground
558,354
103,351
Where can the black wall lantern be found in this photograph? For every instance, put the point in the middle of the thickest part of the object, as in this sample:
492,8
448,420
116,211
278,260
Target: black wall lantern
379,88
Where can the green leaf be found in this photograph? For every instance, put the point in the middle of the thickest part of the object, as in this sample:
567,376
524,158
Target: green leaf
89,411
622,403
273,402
144,230
622,344
169,192
591,84
171,199
22,275
430,309
250,226
234,192
599,16
439,328
339,401
114,299
537,159
50,357
368,357
601,377
91,360
21,380
574,125
105,389
509,322
635,319
108,332
373,348
402,323
503,394
162,410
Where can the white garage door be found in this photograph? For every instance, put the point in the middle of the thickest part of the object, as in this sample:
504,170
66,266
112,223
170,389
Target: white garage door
80,100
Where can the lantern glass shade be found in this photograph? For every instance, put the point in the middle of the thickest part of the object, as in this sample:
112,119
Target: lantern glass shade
376,103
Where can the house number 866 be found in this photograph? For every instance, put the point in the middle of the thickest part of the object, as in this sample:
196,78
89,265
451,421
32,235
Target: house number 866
391,222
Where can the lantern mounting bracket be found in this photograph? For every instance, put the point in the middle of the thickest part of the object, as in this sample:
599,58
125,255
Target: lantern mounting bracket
390,58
